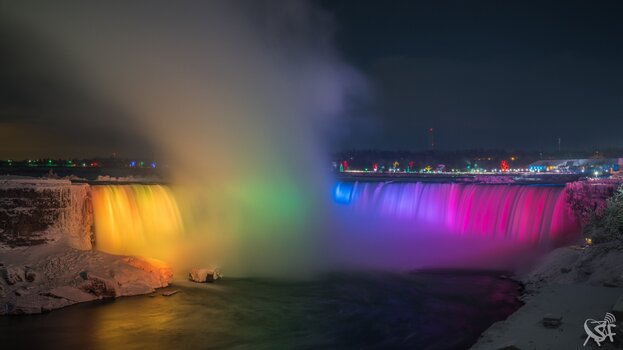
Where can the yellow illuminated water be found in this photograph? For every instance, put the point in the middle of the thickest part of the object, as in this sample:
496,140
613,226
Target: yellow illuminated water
135,219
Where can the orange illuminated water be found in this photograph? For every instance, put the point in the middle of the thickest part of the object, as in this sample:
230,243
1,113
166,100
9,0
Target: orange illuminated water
135,219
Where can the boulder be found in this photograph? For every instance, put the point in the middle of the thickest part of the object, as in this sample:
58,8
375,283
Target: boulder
552,320
12,274
202,275
30,275
98,285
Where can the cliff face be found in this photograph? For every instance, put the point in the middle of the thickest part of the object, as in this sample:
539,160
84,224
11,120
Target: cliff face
47,259
39,211
76,220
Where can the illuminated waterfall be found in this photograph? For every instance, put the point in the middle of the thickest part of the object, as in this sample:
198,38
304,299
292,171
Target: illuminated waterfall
135,219
527,214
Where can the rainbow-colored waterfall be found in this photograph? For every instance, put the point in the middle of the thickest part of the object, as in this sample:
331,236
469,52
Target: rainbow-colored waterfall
529,214
377,223
135,219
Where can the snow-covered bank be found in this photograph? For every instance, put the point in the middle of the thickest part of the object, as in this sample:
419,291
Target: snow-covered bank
573,283
46,256
47,277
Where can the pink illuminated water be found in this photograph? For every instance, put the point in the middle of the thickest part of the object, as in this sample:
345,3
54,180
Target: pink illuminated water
526,214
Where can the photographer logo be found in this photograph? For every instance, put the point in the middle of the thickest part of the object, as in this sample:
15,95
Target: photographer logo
599,331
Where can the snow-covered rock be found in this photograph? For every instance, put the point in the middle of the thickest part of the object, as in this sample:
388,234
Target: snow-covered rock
572,283
45,245
64,276
71,294
156,268
202,275
12,275
600,265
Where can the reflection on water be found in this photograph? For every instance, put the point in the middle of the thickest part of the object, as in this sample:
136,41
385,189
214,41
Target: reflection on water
424,310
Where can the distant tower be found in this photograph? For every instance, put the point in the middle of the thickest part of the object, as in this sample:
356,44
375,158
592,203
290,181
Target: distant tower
431,138
559,143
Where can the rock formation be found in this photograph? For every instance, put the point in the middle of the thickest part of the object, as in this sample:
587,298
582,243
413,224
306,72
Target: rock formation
46,256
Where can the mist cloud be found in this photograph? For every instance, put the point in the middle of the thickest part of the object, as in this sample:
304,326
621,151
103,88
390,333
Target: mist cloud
238,97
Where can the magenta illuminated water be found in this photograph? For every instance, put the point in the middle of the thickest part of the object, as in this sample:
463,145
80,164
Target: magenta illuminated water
537,214
452,224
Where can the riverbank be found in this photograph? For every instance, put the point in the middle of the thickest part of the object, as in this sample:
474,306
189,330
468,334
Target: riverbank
47,258
571,283
51,276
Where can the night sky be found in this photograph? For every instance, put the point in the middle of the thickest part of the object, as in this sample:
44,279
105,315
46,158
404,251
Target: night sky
484,74
44,112
487,74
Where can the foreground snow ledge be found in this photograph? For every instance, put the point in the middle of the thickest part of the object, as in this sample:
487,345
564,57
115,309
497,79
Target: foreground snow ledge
44,278
576,284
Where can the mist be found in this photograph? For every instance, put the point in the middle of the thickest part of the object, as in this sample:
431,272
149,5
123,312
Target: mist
237,97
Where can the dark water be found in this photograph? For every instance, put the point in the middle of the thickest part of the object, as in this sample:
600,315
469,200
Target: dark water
423,310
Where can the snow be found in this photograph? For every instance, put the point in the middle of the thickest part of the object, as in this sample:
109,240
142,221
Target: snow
62,276
576,303
9,182
53,265
573,282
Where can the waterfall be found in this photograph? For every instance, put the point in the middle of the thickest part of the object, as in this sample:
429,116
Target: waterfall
527,214
377,224
135,219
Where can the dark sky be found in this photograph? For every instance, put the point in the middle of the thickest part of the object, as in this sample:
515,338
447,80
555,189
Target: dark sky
45,113
492,74
484,74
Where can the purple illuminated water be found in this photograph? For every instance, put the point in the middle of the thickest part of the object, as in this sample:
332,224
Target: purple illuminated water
537,214
414,224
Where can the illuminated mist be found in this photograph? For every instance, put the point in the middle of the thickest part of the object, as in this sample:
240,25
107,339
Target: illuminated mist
236,96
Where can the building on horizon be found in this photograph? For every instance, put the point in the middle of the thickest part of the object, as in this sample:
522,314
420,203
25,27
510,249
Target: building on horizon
578,165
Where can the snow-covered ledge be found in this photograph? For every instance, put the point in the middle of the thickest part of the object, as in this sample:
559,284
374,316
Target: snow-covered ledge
46,256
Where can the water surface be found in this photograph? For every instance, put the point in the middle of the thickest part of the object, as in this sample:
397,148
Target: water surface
423,310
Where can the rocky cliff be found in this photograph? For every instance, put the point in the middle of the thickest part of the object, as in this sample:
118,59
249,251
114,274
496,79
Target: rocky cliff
47,259
39,211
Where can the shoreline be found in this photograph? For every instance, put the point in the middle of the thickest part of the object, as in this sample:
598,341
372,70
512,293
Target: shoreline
571,283
40,279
